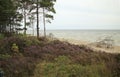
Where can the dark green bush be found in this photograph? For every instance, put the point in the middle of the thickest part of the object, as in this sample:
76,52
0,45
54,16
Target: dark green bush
116,72
1,36
6,44
21,42
118,58
5,56
62,67
9,34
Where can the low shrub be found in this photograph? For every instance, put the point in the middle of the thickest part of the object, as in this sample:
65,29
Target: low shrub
56,59
6,44
15,48
1,36
116,72
8,34
4,56
19,66
21,42
62,67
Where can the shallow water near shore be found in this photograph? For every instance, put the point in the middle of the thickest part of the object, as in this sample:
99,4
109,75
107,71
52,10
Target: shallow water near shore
84,35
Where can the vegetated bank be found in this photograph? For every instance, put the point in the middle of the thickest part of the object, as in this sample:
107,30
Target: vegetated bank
25,56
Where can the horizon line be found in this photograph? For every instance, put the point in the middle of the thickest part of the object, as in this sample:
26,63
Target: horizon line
72,29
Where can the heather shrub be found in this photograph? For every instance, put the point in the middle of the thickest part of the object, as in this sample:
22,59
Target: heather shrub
63,67
29,41
19,66
54,58
33,51
4,56
116,72
6,44
118,58
21,42
42,39
62,60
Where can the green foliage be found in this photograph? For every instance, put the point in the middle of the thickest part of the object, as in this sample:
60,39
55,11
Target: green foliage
8,34
7,44
8,15
12,13
62,60
1,36
5,56
62,67
15,48
54,59
31,41
116,72
118,58
17,44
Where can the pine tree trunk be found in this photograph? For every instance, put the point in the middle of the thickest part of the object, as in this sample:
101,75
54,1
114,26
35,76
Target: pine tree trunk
24,22
37,20
44,22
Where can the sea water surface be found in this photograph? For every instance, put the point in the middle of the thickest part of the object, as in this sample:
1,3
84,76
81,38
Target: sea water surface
84,35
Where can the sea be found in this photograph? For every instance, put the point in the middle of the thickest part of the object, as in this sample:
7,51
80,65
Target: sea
83,35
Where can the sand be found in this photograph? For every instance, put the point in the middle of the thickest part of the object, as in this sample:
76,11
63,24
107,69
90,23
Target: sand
115,49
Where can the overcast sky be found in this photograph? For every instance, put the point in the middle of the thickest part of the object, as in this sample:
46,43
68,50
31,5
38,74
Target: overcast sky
86,14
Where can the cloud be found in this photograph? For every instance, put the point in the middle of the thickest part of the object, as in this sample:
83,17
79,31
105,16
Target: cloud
88,13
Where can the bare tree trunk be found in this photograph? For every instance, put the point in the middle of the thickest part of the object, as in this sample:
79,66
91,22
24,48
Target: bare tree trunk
10,26
37,20
31,23
24,22
33,27
44,22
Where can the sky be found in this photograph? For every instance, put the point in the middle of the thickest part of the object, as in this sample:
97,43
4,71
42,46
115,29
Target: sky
86,14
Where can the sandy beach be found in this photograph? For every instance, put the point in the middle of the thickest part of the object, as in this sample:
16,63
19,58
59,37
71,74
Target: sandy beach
115,49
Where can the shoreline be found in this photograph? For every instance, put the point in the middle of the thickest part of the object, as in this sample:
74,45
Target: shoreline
115,49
